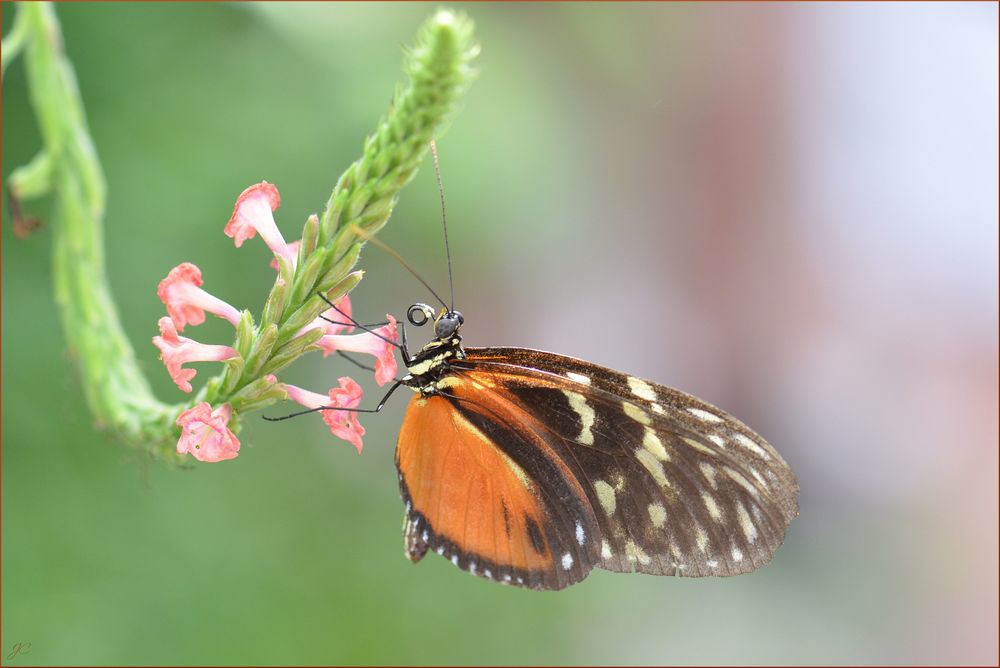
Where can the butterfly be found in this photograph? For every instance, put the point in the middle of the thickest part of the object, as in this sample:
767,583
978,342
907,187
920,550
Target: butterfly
532,468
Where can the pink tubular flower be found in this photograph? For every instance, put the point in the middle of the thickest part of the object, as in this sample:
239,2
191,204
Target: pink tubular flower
253,213
205,433
186,302
343,424
176,351
380,346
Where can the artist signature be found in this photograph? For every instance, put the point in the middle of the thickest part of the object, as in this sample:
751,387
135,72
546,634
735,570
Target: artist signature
19,648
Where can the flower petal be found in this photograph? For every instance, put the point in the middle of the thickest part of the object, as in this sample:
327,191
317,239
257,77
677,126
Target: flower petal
205,433
186,302
253,214
176,351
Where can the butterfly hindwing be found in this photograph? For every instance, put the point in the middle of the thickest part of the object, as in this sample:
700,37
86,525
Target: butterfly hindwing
491,495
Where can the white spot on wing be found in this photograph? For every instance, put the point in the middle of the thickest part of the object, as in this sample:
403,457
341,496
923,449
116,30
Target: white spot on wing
605,550
712,563
737,555
652,442
581,537
713,507
701,538
636,413
718,440
751,446
704,415
454,559
657,408
578,377
700,447
709,472
587,416
749,530
440,550
606,497
567,561
657,514
641,389
652,465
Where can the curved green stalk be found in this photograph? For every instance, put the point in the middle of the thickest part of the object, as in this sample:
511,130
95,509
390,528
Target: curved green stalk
116,391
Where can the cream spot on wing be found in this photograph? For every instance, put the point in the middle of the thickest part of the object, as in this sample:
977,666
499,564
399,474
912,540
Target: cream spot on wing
581,537
657,408
636,413
448,382
652,465
737,555
674,550
700,447
704,415
759,478
749,530
751,446
712,563
567,561
587,416
578,377
708,471
657,514
652,442
718,440
636,553
606,497
605,550
712,506
641,389
701,538
739,479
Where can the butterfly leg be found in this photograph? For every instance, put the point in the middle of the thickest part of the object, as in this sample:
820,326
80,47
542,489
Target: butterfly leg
402,347
379,407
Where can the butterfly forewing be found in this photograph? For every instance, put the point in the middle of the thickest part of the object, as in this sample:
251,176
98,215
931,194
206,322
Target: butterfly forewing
614,472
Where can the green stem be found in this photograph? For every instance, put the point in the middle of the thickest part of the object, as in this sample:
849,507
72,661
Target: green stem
116,391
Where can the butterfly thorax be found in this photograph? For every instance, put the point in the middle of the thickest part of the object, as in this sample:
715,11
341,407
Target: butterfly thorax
429,366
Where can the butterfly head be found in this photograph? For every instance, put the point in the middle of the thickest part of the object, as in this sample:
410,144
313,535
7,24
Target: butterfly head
446,322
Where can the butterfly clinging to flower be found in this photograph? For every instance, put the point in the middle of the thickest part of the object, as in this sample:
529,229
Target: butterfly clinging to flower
532,468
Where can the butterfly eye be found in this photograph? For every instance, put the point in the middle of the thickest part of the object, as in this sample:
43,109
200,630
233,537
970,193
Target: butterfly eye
419,314
448,324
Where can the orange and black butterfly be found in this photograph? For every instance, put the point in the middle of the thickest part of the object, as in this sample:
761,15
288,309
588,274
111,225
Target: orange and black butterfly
531,468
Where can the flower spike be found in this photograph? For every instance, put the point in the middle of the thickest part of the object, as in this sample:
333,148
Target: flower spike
186,302
205,433
379,344
176,351
343,424
253,213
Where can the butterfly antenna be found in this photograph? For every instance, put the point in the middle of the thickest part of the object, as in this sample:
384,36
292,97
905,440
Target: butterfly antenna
399,258
444,221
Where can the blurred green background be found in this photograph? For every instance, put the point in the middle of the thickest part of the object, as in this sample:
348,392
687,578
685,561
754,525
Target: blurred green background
789,210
